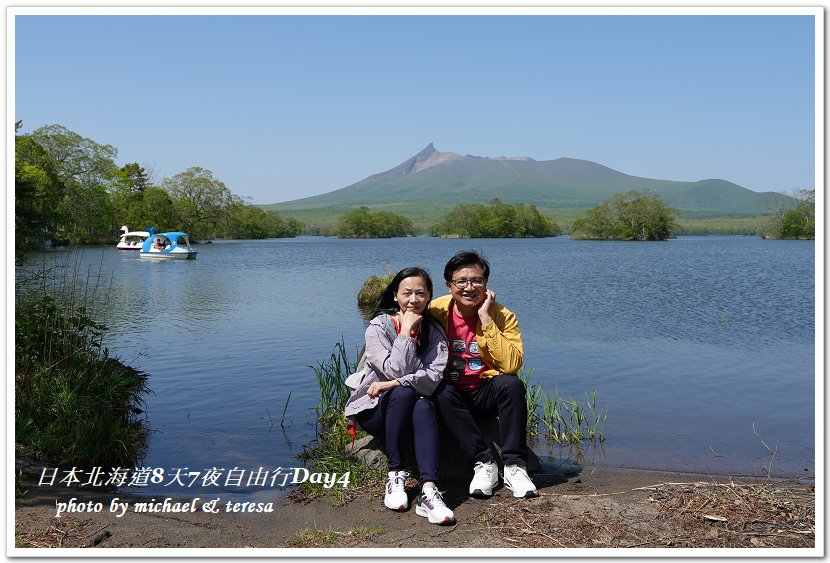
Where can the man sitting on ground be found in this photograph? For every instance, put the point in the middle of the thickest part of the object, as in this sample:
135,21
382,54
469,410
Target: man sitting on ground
485,354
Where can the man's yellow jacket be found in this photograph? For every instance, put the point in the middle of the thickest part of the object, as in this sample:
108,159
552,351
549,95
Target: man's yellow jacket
499,344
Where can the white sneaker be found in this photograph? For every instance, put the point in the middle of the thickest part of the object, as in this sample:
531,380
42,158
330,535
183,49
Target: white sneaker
395,497
486,477
517,480
431,504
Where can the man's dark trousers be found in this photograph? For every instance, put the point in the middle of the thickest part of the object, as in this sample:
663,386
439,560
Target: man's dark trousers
502,396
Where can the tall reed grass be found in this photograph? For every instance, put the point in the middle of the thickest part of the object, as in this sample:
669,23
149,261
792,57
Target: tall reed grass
328,451
73,401
560,419
331,377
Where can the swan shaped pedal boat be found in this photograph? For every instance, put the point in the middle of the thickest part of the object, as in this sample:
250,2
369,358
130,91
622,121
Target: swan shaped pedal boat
131,240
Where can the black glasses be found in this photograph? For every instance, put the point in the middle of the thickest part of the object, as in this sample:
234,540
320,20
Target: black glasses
475,282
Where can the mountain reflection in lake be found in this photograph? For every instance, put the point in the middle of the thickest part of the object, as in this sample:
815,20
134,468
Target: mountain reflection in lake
701,349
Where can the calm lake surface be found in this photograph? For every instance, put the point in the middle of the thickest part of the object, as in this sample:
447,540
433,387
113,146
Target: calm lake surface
701,349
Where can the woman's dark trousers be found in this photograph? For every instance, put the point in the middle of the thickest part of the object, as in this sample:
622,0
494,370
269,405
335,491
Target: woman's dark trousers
399,415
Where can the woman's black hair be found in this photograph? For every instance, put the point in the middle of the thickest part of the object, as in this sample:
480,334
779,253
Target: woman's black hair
387,304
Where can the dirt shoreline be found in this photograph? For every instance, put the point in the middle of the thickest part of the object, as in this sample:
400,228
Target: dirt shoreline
597,508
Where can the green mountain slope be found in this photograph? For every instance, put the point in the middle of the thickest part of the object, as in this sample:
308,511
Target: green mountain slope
441,180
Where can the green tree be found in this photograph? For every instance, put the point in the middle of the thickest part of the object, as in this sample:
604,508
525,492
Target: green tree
251,222
128,188
498,220
154,209
642,216
778,206
38,192
77,157
356,224
135,177
461,221
246,222
633,215
362,223
95,214
598,223
800,222
202,202
85,167
532,224
388,224
288,226
791,217
495,220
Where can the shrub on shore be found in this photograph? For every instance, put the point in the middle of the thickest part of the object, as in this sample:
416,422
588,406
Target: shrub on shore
372,288
73,402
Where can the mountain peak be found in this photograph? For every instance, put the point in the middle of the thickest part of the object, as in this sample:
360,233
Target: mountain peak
423,158
562,183
427,158
428,150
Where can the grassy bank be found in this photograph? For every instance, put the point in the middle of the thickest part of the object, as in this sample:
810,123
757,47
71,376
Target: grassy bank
720,226
74,403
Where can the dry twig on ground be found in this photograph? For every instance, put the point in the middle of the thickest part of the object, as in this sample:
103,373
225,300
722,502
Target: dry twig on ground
738,514
669,515
60,532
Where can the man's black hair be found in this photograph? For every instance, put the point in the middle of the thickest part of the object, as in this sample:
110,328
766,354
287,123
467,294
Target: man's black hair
464,259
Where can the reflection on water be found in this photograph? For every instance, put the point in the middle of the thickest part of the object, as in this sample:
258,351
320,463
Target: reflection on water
701,349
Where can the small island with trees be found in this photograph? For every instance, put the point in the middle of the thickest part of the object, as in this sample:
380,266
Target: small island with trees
362,223
633,215
496,220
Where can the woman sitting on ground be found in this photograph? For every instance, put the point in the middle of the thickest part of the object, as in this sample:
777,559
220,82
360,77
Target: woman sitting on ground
406,353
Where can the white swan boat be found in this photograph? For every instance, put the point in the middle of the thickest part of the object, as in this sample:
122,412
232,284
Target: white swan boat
167,246
131,240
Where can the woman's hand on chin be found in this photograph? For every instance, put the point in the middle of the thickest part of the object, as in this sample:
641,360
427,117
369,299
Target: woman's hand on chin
410,321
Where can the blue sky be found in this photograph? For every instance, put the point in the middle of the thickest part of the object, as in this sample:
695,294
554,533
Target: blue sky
284,107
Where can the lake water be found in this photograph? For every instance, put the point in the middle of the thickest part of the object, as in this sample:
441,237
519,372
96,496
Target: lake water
701,349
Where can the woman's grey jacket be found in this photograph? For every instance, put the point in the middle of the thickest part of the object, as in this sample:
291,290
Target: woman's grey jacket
389,356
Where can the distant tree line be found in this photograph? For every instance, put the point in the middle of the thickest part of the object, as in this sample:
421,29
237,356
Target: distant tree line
494,220
633,215
68,187
792,222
